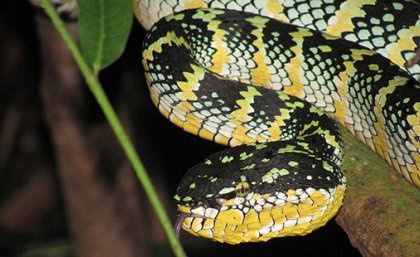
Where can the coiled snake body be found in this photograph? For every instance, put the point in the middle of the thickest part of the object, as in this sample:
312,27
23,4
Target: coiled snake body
270,89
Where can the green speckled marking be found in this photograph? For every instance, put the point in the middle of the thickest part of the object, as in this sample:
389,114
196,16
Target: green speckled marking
325,48
273,174
397,6
207,16
294,105
176,17
287,149
258,19
249,167
265,160
293,163
244,156
227,159
328,167
283,96
260,146
226,190
281,172
187,199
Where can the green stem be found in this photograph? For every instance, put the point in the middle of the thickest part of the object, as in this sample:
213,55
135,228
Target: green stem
96,88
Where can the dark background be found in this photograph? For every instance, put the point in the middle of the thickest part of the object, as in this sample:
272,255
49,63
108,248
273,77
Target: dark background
165,150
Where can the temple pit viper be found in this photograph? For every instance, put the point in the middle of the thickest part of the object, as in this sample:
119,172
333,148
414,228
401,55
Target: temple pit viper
270,89
271,78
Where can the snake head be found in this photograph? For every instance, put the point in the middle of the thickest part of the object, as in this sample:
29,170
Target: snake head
259,191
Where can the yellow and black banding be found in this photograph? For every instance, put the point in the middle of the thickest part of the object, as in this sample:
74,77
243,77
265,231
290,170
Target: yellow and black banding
255,192
283,176
391,28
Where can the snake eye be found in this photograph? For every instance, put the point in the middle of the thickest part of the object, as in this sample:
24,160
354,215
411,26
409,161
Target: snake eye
242,188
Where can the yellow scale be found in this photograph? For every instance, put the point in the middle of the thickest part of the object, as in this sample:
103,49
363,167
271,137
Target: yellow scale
233,226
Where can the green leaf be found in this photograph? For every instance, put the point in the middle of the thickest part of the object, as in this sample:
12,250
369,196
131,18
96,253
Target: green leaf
104,26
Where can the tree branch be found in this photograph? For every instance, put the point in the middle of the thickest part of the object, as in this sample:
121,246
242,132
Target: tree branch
381,210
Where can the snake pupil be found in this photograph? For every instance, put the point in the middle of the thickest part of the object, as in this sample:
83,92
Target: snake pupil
242,188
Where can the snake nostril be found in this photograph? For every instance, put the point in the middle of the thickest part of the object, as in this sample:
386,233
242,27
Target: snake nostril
268,154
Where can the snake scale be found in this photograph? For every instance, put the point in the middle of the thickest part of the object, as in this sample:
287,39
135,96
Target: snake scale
270,89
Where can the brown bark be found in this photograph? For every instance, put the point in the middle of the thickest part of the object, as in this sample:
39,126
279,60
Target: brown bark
105,218
24,210
28,190
381,210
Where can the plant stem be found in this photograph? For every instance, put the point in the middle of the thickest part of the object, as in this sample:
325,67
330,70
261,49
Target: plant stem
96,89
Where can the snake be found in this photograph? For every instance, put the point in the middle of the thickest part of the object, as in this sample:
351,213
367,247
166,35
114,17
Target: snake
272,80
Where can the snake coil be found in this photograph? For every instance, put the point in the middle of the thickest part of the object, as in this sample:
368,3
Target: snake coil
270,90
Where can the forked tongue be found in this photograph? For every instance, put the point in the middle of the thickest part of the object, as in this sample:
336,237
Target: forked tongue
181,217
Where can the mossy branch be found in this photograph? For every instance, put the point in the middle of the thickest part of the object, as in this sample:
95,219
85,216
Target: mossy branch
381,210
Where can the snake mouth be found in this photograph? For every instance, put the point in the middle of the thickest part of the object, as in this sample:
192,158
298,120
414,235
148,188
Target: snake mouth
180,220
